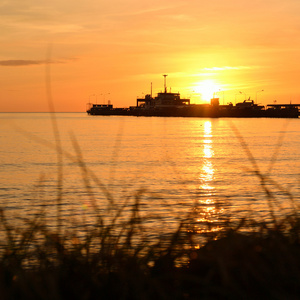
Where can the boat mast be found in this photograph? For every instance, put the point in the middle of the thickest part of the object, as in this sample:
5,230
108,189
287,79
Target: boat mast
165,82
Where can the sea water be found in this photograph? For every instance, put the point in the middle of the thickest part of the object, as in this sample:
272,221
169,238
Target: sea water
216,169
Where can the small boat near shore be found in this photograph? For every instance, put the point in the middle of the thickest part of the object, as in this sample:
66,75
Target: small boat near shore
167,104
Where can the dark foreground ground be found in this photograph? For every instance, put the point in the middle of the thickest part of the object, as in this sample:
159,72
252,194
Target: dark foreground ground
39,264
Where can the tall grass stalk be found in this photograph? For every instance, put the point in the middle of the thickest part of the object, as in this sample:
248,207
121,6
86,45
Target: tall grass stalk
56,136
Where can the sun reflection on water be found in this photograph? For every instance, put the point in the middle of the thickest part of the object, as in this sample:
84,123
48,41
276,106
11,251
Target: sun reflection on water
207,209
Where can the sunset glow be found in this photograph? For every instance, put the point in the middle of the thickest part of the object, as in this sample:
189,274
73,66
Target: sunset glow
207,89
119,48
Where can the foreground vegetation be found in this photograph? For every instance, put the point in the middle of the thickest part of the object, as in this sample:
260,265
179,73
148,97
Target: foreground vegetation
119,263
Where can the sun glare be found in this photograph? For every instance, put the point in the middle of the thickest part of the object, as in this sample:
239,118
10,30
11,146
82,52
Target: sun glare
207,89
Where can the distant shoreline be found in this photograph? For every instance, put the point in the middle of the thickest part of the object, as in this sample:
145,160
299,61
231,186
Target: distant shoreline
42,112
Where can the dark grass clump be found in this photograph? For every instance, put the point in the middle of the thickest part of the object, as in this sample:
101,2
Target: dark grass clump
40,264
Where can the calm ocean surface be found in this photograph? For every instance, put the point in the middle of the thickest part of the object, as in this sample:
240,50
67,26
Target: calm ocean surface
175,166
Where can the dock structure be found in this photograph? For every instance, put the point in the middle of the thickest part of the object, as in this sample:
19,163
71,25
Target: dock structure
284,106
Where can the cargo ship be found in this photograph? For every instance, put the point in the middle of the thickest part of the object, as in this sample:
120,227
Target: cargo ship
168,104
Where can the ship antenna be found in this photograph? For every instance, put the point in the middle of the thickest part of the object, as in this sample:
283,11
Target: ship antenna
151,90
165,82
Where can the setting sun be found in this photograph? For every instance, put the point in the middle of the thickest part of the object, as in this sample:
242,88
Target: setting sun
207,89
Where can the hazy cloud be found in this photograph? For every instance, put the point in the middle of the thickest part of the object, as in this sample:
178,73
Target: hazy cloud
20,62
231,68
23,62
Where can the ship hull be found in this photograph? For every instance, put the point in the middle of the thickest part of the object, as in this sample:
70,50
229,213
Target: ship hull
198,112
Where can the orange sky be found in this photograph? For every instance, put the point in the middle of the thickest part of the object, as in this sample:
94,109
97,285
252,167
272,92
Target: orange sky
113,50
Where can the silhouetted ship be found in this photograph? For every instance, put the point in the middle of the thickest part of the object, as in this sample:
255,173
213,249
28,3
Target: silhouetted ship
167,104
